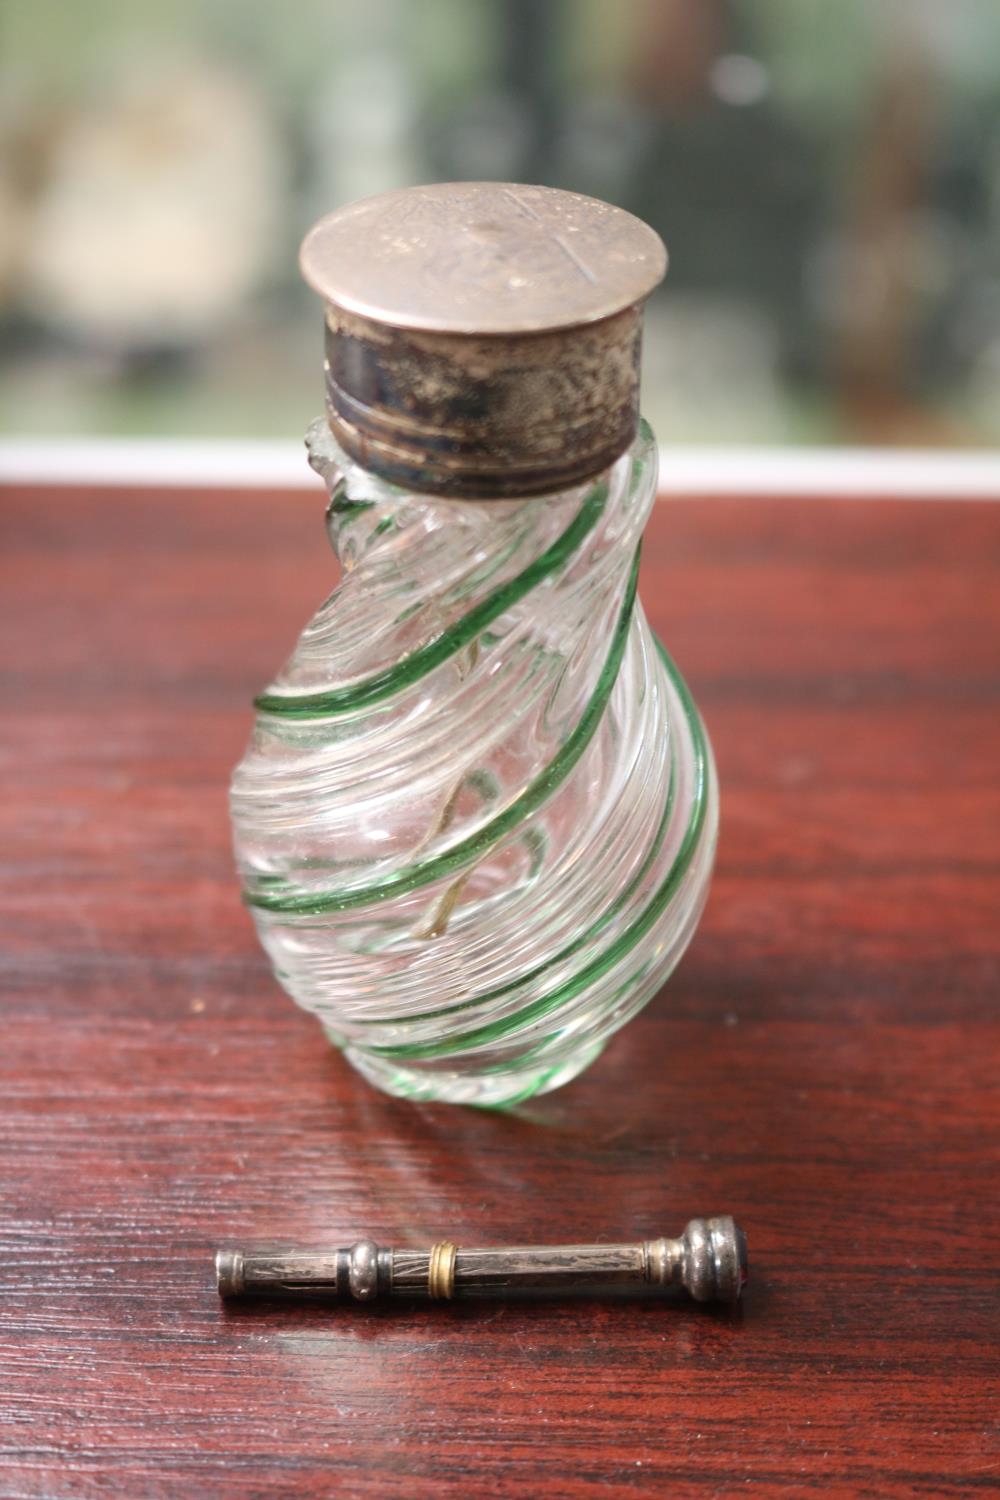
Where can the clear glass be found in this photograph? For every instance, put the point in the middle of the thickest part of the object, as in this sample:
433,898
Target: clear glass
476,819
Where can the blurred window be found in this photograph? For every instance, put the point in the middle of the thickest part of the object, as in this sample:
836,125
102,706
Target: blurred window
826,177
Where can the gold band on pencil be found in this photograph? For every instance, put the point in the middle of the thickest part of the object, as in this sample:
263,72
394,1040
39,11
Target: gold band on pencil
441,1271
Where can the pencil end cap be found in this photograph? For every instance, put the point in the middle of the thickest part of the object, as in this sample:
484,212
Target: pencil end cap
714,1259
229,1272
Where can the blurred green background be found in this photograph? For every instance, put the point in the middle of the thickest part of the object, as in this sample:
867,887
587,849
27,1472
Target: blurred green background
826,176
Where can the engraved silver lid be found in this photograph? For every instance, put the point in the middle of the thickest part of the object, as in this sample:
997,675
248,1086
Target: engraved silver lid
482,337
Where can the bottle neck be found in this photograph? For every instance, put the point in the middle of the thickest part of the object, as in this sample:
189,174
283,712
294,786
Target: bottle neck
429,580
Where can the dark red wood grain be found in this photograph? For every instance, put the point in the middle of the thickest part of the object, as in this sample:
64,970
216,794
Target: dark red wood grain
825,1063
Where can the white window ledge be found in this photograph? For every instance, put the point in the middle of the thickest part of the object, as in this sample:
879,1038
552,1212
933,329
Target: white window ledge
238,464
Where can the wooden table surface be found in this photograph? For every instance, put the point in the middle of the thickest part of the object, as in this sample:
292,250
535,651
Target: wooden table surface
825,1063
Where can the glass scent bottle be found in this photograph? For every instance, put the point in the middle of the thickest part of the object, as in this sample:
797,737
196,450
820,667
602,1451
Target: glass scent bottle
476,820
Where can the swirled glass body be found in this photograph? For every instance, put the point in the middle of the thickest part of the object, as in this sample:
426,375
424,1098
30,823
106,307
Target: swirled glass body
476,819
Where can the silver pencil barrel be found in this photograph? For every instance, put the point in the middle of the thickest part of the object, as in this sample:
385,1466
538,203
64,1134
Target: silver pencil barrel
708,1261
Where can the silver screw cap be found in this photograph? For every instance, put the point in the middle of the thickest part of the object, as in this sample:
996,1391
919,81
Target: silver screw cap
483,338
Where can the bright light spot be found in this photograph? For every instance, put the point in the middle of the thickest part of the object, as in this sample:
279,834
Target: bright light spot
739,80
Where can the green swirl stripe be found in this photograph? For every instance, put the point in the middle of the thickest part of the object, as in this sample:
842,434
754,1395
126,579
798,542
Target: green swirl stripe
410,669
412,877
492,1031
444,1012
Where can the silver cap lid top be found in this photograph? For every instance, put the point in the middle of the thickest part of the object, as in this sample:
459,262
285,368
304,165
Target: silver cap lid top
483,338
